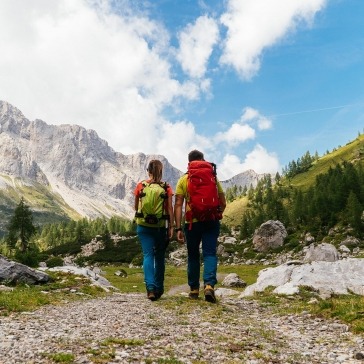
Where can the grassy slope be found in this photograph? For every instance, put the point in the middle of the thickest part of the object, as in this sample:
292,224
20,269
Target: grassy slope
234,211
45,204
351,152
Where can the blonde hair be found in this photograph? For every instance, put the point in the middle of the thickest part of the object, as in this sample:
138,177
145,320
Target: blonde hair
155,168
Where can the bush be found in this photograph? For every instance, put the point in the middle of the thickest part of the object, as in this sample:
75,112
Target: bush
54,262
30,258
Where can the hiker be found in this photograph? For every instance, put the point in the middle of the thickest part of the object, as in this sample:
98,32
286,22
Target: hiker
201,223
154,218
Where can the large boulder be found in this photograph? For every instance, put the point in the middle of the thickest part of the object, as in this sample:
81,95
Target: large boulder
322,252
269,235
12,272
327,278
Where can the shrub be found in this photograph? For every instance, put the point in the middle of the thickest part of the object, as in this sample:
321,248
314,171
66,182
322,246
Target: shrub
54,262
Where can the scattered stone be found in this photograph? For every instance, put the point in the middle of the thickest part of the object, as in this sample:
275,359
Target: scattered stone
359,356
251,332
121,273
233,280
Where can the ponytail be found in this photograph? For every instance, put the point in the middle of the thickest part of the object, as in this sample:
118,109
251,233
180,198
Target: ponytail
155,168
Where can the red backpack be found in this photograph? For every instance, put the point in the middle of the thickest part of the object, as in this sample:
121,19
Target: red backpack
204,200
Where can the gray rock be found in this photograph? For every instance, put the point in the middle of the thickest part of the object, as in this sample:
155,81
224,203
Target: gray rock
230,240
121,273
344,249
225,292
94,277
269,235
233,280
322,252
12,272
327,278
350,241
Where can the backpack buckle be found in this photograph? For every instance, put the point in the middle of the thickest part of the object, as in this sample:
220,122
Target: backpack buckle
151,219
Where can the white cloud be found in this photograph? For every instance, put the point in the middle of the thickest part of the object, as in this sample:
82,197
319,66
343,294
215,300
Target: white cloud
253,25
79,62
241,131
250,114
259,160
178,139
196,45
75,61
236,134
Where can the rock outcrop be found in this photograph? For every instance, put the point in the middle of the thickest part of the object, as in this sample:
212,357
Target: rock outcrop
12,273
327,278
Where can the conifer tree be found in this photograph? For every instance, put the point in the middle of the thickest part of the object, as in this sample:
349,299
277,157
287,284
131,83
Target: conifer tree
21,228
353,212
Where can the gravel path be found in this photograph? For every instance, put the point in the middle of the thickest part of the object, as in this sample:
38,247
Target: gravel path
173,330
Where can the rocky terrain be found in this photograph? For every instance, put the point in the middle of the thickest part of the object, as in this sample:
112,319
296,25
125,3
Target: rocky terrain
127,328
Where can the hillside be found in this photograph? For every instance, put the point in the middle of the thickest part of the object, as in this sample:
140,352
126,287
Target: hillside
352,152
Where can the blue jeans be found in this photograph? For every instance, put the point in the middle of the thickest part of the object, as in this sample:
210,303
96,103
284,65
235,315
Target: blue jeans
207,232
153,241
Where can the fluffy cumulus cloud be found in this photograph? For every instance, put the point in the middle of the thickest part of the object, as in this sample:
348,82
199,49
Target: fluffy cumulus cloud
253,25
77,61
259,160
113,69
196,45
244,129
237,133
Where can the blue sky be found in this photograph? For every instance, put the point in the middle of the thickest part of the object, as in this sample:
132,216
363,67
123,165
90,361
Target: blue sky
254,84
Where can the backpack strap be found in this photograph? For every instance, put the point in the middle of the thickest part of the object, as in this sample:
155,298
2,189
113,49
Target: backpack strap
141,194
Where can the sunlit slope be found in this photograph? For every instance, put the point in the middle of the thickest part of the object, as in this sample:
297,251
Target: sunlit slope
352,152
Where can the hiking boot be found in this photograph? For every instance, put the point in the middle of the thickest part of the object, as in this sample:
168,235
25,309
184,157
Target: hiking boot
151,295
209,294
158,294
194,294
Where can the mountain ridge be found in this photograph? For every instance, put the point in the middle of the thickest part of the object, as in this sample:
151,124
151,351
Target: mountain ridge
70,171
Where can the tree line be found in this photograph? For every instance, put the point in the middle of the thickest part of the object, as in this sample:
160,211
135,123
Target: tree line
337,197
29,244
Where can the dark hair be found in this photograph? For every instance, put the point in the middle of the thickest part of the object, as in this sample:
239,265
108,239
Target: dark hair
195,155
155,168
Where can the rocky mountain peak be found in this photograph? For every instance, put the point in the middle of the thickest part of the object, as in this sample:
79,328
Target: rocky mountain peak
75,170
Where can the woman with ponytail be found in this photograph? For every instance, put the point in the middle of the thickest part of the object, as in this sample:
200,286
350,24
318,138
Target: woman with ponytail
154,218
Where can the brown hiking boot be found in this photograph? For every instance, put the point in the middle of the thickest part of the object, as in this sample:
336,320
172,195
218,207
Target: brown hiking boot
209,294
194,294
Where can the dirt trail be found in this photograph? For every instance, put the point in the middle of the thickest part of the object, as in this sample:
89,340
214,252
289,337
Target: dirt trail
185,288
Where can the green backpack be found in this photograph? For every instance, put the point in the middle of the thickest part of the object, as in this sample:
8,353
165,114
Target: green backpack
152,204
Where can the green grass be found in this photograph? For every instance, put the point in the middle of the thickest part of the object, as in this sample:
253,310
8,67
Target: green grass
61,357
234,211
28,298
174,276
348,309
349,152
